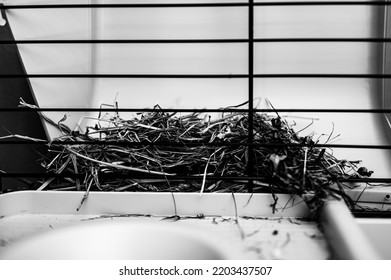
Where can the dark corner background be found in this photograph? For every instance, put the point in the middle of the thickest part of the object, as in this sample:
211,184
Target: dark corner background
17,158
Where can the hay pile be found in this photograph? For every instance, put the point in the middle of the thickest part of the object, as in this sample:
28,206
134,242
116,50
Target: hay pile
160,152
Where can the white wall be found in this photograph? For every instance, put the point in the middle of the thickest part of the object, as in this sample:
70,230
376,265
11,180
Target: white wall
43,24
189,23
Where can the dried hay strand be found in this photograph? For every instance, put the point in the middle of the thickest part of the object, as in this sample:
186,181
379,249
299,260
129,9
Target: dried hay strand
167,152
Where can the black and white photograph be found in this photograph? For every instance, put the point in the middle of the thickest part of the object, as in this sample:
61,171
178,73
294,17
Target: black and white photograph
195,138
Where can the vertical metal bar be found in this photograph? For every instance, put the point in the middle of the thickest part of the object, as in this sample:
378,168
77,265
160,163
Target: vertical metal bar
250,148
386,84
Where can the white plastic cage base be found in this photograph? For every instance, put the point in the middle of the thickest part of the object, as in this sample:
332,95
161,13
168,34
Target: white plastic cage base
247,222
152,203
250,227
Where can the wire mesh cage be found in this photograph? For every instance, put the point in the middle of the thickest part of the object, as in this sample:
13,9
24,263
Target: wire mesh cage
320,66
263,101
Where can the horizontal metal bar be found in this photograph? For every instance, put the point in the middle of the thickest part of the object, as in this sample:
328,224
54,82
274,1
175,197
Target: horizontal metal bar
196,110
320,75
127,41
372,213
324,3
199,76
198,41
136,110
382,202
189,144
138,5
154,176
322,40
367,180
122,175
144,76
192,5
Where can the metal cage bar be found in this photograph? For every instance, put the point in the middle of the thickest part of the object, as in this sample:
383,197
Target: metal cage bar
250,76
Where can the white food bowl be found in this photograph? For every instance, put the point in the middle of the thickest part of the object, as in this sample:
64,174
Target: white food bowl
118,240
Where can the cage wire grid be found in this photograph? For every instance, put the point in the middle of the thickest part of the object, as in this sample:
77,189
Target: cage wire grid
250,77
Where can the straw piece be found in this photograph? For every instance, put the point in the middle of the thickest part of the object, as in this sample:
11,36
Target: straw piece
117,165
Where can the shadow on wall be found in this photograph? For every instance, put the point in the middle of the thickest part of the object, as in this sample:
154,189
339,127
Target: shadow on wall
17,158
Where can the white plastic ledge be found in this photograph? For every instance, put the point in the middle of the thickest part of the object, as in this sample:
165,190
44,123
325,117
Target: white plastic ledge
222,204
